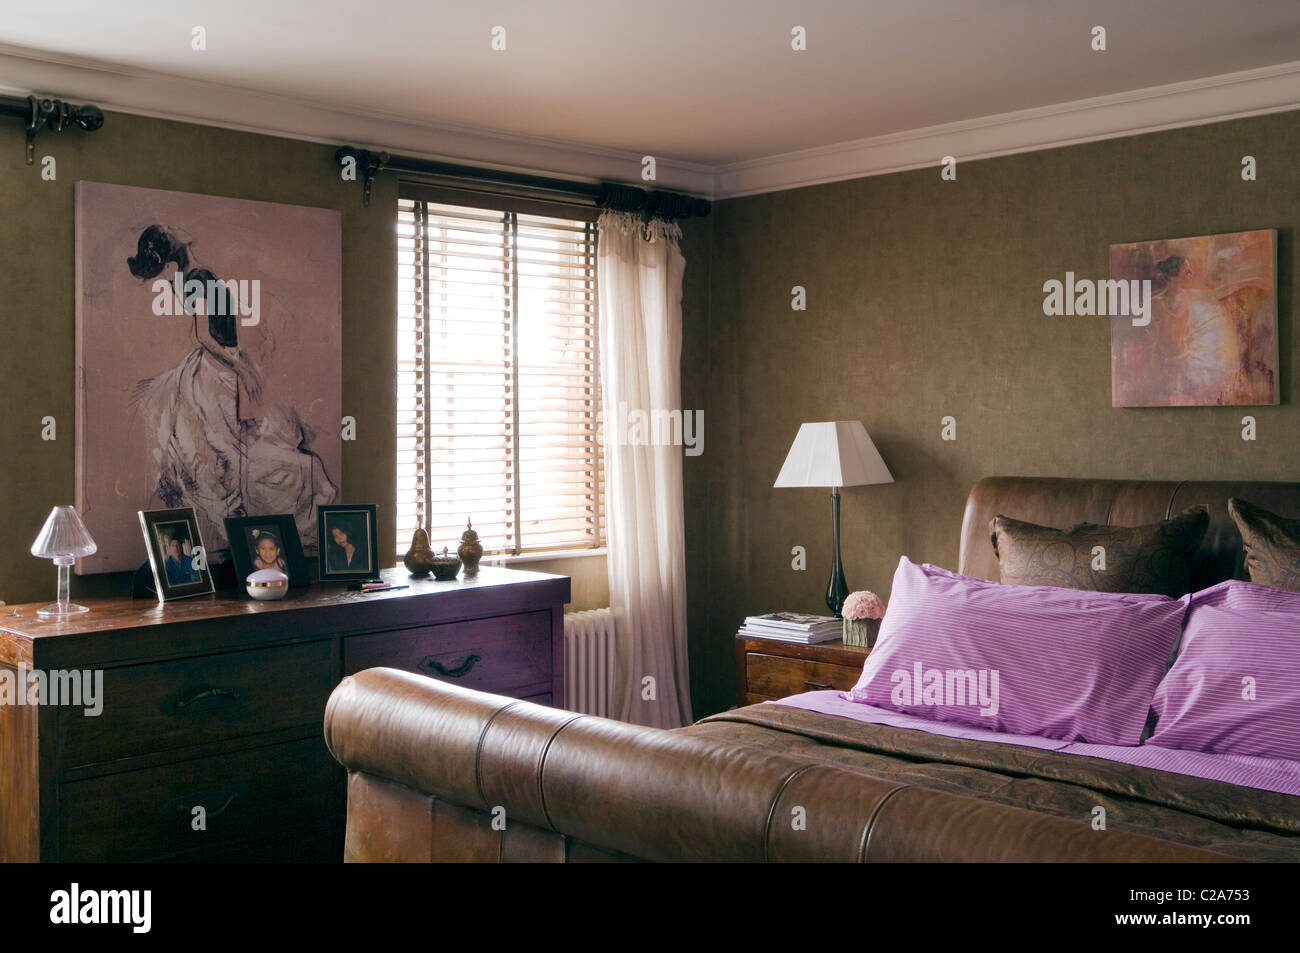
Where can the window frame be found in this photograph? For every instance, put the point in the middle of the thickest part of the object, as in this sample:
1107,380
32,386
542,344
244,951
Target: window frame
511,207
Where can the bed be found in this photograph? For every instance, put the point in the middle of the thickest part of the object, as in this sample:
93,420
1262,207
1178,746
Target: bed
441,773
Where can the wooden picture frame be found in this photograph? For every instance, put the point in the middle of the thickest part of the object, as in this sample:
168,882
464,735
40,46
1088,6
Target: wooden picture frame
176,553
349,541
249,536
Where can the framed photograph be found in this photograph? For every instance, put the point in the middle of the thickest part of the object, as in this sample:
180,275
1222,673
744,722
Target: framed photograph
267,542
349,546
176,554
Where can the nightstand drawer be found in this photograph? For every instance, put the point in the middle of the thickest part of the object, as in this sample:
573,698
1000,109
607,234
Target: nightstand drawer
775,676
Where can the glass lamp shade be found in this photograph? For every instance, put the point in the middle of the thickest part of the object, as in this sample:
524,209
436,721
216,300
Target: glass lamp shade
63,535
64,538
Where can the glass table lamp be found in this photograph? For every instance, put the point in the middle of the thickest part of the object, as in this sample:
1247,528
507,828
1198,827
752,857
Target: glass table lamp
64,539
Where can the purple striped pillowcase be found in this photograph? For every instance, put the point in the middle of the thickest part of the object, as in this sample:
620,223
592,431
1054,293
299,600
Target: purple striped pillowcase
1068,664
1235,686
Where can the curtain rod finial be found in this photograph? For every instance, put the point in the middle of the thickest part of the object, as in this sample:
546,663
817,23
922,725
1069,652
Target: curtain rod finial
367,162
54,114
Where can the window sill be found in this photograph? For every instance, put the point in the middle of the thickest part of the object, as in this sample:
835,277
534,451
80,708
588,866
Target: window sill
543,557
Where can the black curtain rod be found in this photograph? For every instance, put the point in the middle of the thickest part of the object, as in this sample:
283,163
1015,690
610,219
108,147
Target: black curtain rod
611,195
55,114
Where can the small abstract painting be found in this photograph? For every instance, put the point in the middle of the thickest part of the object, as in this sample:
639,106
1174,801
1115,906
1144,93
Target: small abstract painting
1211,332
209,350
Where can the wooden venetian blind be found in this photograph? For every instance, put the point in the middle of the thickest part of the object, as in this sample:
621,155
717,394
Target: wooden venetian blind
498,386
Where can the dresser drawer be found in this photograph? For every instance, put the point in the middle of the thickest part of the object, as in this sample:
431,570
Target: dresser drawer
774,676
165,705
499,654
251,797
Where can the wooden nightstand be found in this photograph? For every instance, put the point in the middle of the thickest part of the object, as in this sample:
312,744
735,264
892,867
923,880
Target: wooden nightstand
769,668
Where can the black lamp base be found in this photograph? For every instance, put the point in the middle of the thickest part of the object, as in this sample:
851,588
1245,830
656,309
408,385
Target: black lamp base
838,590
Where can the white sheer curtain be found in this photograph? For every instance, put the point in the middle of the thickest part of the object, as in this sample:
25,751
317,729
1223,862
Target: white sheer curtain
640,287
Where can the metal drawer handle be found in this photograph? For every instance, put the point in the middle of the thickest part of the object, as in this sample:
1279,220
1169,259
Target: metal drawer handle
431,664
816,686
221,810
186,805
181,704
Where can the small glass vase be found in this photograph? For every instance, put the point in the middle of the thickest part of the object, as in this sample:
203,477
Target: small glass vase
861,632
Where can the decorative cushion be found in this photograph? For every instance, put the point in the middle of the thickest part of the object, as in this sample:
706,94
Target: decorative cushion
1272,545
1143,559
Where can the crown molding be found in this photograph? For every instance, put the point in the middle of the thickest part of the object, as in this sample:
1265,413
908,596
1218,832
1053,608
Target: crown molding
1197,102
122,89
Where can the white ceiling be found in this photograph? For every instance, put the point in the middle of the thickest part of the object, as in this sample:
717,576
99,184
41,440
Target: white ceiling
704,82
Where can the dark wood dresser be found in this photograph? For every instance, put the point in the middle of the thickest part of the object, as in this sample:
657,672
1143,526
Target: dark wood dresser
218,703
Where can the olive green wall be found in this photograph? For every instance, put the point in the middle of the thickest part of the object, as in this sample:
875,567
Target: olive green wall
924,299
37,316
700,360
37,305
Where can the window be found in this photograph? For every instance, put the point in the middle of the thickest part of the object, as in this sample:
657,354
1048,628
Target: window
498,385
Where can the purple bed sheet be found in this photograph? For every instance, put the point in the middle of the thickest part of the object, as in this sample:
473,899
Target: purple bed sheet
1267,774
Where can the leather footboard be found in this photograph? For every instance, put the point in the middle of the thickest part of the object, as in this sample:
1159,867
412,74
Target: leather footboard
442,773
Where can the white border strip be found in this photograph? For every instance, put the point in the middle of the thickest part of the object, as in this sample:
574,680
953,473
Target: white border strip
161,96
1215,99
123,89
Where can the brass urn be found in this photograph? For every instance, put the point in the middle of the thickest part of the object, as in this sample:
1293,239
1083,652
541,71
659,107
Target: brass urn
419,558
445,566
471,550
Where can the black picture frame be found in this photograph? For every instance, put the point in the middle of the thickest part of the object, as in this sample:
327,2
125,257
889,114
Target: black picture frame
175,575
245,534
359,525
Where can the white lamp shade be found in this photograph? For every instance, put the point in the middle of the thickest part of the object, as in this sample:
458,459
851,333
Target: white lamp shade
63,536
833,453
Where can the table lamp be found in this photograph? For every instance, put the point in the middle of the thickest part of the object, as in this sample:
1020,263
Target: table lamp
834,454
64,539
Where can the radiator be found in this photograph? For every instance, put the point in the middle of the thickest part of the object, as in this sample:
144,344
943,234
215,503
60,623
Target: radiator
589,661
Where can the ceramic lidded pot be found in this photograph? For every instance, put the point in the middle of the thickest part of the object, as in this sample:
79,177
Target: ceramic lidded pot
471,550
419,558
445,566
265,585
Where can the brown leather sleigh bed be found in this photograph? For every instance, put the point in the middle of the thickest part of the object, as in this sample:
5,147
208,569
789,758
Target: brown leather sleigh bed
439,773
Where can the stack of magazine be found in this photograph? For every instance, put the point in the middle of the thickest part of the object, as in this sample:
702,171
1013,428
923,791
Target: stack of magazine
793,627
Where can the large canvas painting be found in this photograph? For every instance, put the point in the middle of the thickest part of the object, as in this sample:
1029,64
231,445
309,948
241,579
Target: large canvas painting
208,363
1211,338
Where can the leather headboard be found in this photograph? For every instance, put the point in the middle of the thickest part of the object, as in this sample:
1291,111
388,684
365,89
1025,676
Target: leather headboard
1063,502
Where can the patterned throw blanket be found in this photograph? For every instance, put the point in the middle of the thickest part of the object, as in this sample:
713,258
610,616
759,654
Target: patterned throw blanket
1242,822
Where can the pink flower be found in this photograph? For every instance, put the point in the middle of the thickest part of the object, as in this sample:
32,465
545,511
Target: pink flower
862,605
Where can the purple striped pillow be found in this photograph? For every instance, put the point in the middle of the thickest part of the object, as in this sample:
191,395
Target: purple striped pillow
1069,664
1235,686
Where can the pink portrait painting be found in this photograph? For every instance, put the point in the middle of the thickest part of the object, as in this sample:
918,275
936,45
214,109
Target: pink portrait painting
1212,335
208,341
